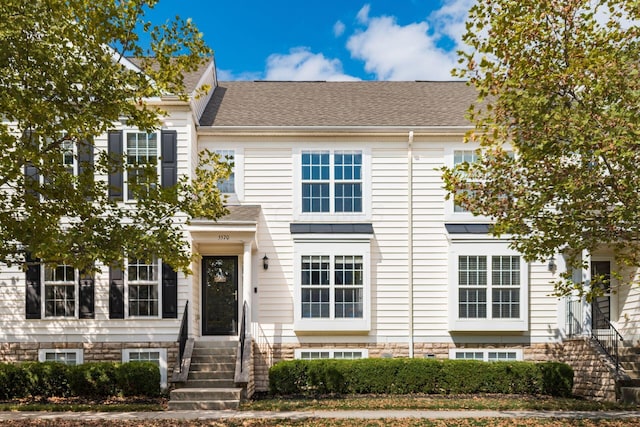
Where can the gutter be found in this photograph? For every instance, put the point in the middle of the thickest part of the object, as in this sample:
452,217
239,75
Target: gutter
410,238
401,131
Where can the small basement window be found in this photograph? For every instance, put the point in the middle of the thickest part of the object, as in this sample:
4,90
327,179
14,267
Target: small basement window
309,354
66,356
486,355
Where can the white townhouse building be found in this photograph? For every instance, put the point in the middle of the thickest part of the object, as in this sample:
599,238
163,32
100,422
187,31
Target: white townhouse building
338,243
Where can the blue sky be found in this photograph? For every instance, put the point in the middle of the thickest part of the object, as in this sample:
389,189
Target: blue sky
327,39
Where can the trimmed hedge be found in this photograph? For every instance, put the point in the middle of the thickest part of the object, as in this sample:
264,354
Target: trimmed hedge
94,380
406,376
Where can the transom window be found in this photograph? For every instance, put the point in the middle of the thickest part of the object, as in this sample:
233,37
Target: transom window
142,281
59,291
332,182
142,151
332,287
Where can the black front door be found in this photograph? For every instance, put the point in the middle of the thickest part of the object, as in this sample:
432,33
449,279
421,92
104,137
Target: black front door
601,306
220,295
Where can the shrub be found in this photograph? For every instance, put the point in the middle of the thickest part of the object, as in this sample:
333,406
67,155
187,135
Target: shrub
96,379
47,379
13,381
139,379
405,376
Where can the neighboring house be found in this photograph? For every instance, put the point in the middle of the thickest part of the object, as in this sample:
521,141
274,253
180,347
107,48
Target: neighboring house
339,243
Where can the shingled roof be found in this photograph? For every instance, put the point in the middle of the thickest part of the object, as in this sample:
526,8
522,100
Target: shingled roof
190,79
363,103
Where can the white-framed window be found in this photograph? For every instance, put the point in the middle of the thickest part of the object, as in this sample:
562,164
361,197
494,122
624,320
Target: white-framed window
332,285
155,355
228,186
69,160
333,183
142,150
487,355
460,157
67,356
454,155
143,288
488,287
60,291
312,353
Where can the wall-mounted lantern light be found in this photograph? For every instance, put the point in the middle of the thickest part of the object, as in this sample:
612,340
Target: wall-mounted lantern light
265,262
552,265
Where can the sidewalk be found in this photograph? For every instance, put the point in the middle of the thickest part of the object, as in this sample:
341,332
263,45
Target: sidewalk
230,414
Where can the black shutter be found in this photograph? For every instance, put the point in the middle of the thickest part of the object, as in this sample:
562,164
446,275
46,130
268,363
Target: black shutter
115,154
169,292
86,297
33,304
32,180
116,293
169,153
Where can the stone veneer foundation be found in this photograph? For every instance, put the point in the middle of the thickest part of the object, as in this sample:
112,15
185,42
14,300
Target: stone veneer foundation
91,352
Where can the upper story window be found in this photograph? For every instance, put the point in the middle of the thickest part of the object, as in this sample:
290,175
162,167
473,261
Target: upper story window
141,151
488,287
59,291
227,186
143,288
332,182
67,147
460,157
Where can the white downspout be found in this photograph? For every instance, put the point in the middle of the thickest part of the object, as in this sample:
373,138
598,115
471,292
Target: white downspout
410,237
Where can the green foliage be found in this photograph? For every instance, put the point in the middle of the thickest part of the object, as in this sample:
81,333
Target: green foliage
139,379
427,376
558,85
94,379
63,80
13,381
47,379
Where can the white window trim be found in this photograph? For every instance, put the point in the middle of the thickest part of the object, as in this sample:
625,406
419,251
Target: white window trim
126,355
332,248
449,212
125,174
298,215
488,247
298,352
485,352
126,291
43,291
42,353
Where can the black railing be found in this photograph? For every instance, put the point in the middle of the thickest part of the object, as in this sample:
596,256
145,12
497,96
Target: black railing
606,335
243,333
602,331
184,334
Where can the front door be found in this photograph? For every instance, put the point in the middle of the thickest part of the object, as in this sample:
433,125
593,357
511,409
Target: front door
219,295
601,306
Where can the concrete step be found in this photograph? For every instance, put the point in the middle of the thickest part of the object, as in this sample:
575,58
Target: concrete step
203,405
212,359
211,375
630,395
195,394
216,344
215,350
211,383
213,367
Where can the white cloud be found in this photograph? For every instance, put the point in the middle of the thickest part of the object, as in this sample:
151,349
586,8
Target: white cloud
302,64
403,52
338,29
449,20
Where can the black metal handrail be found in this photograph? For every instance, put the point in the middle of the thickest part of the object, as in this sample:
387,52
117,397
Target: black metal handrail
606,335
183,336
243,333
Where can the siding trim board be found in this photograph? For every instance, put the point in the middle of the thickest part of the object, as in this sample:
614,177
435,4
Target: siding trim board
322,228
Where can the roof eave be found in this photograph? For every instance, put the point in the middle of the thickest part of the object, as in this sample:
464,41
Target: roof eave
332,130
